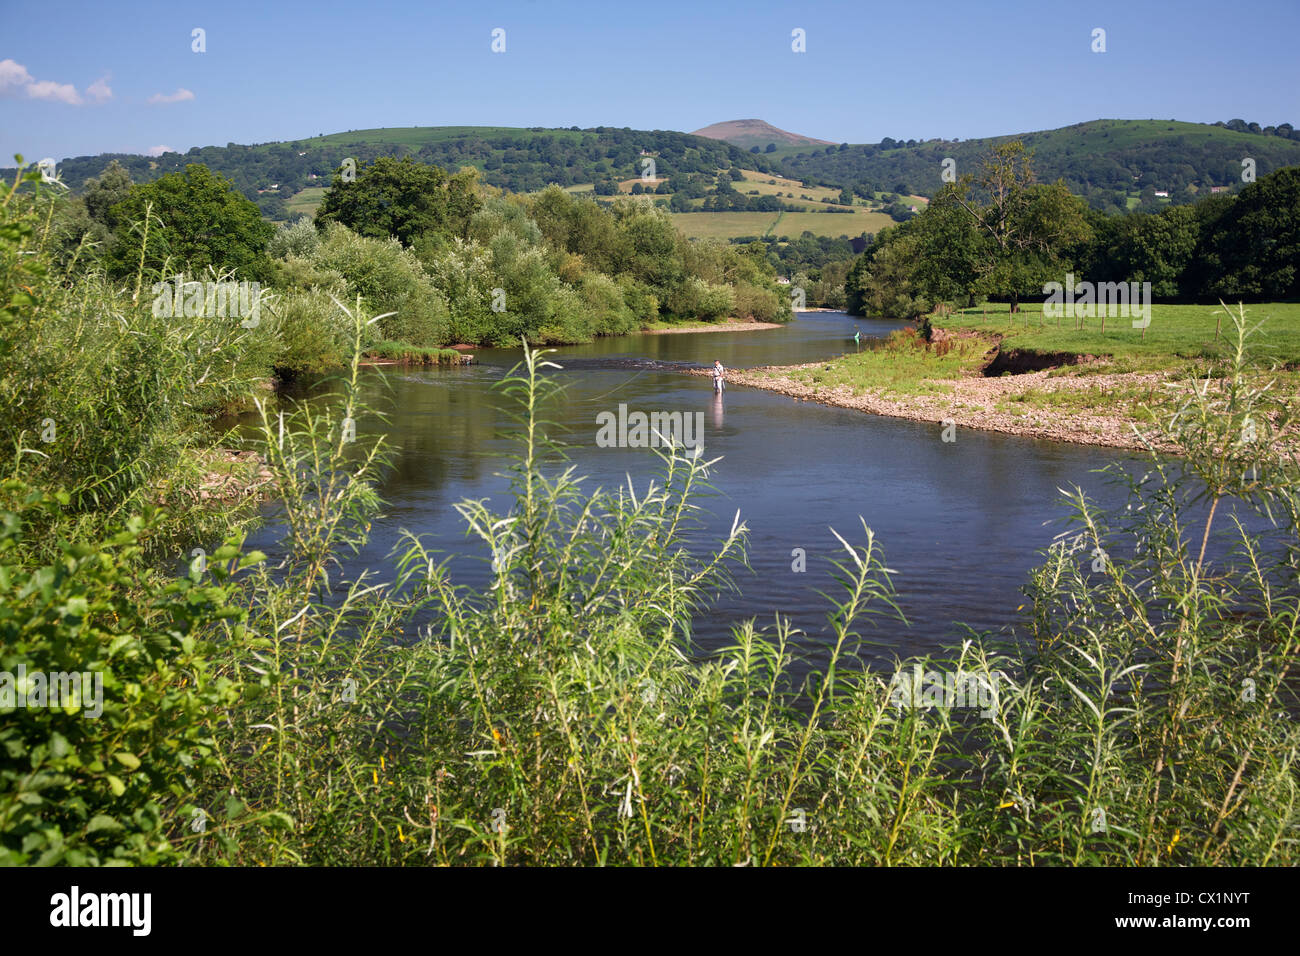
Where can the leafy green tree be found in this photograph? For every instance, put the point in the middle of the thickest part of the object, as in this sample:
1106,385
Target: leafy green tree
885,280
1156,249
1251,249
951,250
400,199
189,220
105,191
1026,226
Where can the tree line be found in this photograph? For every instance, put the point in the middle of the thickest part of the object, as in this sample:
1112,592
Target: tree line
1105,162
453,259
514,160
998,233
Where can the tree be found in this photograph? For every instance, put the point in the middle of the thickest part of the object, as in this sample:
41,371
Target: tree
1026,227
950,248
105,191
884,280
1250,245
194,220
401,199
1156,249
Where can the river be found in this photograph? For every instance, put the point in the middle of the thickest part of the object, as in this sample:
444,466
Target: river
961,522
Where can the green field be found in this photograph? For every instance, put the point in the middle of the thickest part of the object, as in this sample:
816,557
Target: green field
724,225
729,225
1177,333
833,224
305,201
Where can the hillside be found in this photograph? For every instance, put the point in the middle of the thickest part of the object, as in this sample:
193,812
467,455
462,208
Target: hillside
748,133
519,160
1109,162
1114,164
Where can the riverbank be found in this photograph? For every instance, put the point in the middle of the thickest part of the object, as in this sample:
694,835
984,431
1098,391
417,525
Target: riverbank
727,326
1024,376
1030,404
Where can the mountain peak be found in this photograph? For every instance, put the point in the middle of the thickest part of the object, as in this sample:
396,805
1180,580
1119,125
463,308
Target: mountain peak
755,132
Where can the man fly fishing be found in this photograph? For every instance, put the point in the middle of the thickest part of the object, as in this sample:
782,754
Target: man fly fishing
719,377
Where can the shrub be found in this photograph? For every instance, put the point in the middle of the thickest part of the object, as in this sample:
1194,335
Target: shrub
390,280
298,238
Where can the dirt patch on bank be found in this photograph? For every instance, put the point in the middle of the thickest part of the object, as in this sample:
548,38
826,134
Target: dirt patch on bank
980,402
716,327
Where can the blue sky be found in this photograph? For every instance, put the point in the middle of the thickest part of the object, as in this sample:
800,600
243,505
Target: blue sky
84,78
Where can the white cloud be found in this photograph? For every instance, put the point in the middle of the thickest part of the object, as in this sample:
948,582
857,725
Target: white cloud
16,81
178,97
100,91
13,74
158,150
50,90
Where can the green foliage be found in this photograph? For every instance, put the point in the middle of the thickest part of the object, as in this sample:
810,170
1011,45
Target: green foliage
298,238
103,397
104,777
102,193
1097,160
1244,247
194,219
311,331
403,200
390,279
1252,250
520,160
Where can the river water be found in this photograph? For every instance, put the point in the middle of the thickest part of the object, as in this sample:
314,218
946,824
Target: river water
961,523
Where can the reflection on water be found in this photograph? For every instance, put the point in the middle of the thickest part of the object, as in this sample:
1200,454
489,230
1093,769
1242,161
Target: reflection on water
959,522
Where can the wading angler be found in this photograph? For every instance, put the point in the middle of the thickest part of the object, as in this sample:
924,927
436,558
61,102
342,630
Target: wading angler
655,430
211,300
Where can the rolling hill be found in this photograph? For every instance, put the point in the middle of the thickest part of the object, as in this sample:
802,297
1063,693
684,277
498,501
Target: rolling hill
518,160
1111,163
1105,161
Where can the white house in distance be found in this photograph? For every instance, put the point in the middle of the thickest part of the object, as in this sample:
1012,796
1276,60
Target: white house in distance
1162,194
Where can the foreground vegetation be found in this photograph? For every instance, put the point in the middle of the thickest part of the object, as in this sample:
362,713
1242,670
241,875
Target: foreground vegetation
288,714
284,713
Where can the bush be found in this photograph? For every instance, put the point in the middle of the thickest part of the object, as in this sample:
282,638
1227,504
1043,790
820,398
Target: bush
298,238
311,333
760,304
390,279
106,777
695,298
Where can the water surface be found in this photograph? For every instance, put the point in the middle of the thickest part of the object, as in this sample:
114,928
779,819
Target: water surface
959,522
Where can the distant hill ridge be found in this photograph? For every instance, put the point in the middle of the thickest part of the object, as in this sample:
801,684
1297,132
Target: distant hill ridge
1109,162
1105,161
